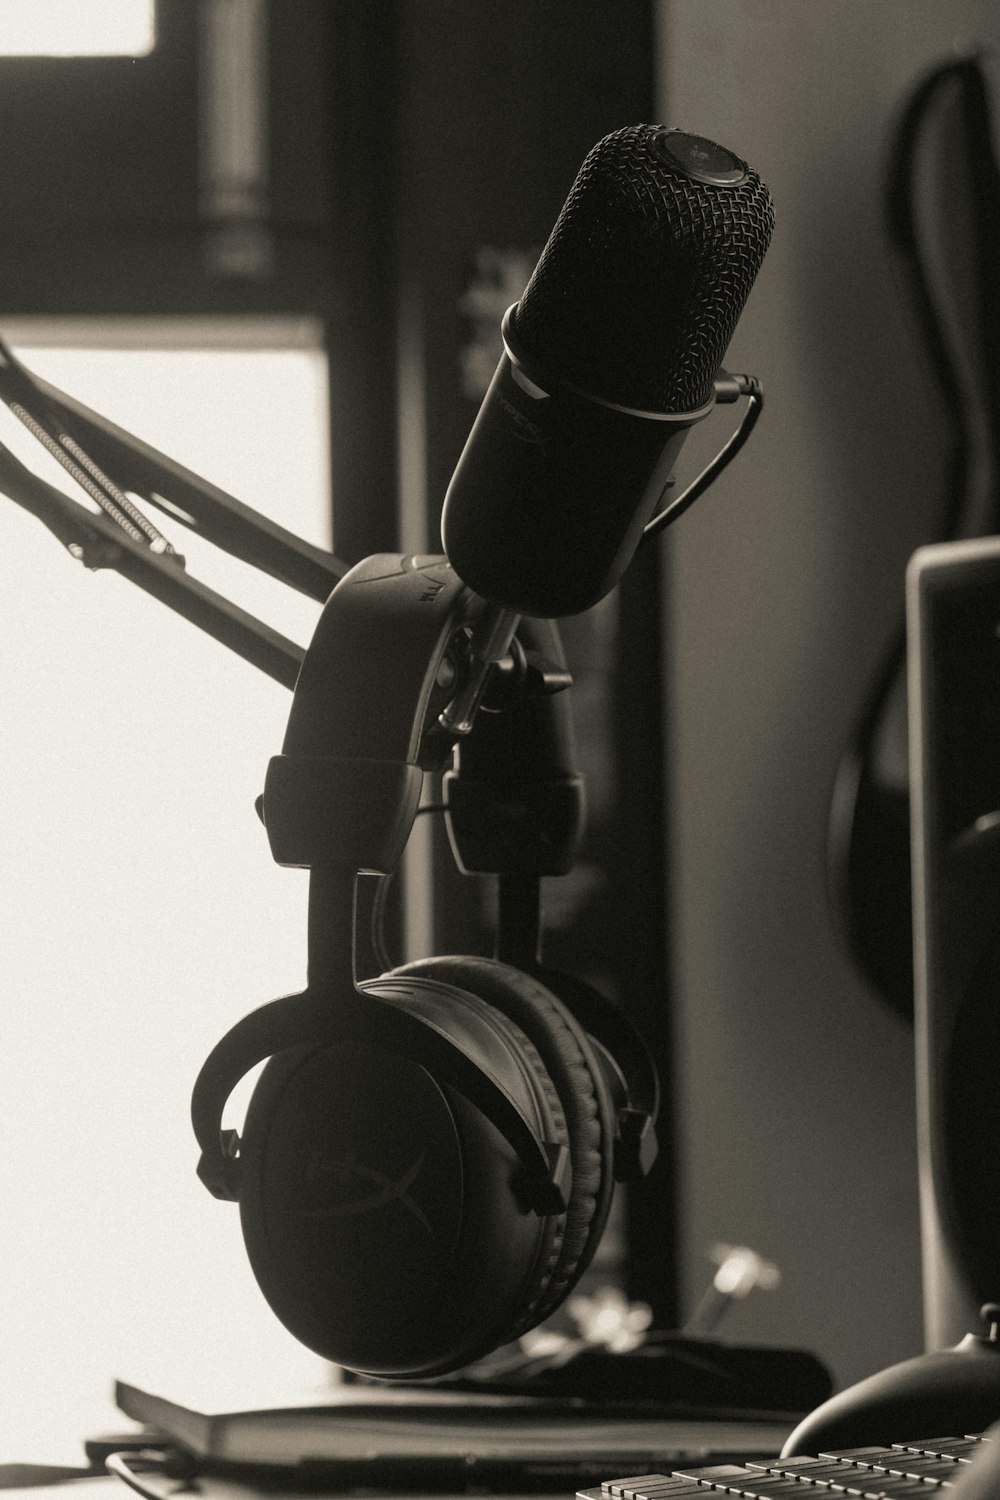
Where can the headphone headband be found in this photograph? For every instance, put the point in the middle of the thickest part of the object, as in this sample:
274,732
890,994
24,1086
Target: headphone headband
361,728
449,1041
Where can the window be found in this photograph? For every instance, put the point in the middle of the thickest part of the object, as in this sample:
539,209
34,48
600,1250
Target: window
141,912
77,28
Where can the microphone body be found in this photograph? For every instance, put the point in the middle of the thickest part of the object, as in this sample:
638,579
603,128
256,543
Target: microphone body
609,358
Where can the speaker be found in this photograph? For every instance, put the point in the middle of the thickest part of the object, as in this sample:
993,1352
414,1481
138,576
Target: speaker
428,1158
953,636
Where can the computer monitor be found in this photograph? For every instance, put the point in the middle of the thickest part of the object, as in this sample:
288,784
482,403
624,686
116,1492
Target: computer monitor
953,633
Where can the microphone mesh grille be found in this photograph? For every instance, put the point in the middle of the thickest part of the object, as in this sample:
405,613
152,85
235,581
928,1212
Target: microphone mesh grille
641,284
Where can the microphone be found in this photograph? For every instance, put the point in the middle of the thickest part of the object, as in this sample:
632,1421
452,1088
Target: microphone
610,357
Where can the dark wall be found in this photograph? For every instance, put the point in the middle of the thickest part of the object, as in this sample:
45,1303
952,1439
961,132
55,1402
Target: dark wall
785,584
495,118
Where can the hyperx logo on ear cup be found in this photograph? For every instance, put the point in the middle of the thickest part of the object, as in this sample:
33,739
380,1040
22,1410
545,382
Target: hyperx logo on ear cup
352,1197
376,1189
379,1214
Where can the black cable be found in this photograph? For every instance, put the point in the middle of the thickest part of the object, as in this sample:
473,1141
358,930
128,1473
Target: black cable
130,1464
749,386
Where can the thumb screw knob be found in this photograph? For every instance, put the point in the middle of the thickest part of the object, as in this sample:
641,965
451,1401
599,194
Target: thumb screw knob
990,1315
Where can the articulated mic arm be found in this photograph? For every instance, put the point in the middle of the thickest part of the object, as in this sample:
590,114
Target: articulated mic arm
112,466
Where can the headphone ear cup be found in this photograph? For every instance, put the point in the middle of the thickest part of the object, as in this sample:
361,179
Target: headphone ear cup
379,1206
561,1049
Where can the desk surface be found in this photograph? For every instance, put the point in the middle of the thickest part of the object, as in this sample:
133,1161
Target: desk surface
101,1487
108,1488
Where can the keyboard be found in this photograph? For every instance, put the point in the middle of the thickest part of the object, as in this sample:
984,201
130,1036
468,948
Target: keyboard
904,1469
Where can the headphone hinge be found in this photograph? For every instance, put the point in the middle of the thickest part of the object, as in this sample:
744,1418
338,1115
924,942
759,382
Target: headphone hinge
636,1145
323,809
219,1170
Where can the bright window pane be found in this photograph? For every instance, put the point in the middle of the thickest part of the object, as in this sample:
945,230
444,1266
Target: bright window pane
77,28
140,911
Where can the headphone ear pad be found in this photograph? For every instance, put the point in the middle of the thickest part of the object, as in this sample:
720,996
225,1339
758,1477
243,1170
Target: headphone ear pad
379,1205
572,1068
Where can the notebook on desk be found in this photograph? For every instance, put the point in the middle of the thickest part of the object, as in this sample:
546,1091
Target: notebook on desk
345,1435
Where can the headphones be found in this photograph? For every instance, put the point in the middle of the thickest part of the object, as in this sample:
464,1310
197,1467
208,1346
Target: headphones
428,1158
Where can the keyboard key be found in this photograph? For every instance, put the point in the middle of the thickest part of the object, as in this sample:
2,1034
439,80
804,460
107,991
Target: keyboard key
673,1489
922,1467
770,1487
877,1458
620,1487
850,1455
718,1475
959,1450
886,1487
647,1487
813,1469
678,1487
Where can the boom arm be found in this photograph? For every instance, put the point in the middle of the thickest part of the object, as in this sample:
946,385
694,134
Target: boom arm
113,465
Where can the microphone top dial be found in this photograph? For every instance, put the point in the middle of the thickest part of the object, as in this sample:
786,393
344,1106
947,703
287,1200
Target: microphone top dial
701,159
